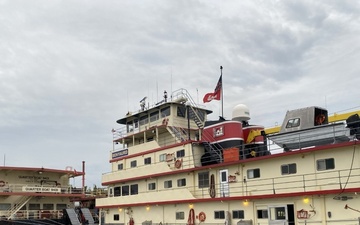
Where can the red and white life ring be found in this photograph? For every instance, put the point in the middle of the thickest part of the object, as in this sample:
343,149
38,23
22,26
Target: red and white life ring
202,216
2,183
178,163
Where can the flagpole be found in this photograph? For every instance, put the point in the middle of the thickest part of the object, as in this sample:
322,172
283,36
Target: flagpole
222,94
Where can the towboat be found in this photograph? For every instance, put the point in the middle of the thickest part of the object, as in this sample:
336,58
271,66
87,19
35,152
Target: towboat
170,165
33,195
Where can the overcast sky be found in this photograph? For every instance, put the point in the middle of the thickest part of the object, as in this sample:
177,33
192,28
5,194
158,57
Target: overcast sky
70,69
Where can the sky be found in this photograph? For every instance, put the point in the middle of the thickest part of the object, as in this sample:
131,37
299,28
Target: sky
70,69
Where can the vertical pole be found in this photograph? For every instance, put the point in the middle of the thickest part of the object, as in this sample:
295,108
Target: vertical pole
83,176
222,93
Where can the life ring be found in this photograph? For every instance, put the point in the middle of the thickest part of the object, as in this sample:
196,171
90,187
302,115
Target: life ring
320,119
202,216
2,183
178,163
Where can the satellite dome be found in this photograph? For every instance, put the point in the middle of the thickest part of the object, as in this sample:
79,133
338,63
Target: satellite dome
241,113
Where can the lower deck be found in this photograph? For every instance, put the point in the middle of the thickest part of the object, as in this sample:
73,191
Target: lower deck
340,209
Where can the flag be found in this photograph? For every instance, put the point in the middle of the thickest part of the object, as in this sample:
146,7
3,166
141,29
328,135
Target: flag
216,94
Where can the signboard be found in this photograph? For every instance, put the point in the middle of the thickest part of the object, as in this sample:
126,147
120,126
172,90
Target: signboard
120,153
41,189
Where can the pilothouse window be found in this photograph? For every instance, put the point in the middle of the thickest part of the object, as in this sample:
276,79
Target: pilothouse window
165,112
293,123
181,111
154,116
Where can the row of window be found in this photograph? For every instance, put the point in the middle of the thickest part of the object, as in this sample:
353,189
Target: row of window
220,214
164,112
321,164
35,206
147,160
204,178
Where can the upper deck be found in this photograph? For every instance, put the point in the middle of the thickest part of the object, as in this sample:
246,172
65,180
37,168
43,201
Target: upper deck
164,124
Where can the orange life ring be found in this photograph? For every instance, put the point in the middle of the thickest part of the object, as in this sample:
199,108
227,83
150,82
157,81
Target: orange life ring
2,183
178,163
202,216
320,119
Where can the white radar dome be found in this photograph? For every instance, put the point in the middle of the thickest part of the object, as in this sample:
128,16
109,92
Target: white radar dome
241,113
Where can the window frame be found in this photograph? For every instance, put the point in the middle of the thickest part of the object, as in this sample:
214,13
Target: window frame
168,184
204,179
255,173
291,169
326,164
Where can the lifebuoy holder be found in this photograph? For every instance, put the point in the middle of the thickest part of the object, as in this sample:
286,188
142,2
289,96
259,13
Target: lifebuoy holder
202,216
2,183
178,163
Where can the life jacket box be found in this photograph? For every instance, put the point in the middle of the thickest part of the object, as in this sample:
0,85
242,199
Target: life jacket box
231,154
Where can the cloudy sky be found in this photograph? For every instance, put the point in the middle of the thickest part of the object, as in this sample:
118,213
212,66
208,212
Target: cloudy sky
70,69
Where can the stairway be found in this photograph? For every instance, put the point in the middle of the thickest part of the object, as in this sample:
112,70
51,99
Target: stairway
17,206
88,216
72,216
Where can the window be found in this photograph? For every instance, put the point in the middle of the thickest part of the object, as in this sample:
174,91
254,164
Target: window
34,206
117,191
147,161
262,214
238,214
219,214
288,169
130,127
165,112
125,190
181,182
180,153
154,116
48,206
144,120
203,179
293,123
120,166
134,188
61,206
116,217
325,164
180,215
162,157
133,164
168,184
277,213
152,186
5,206
253,173
181,111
